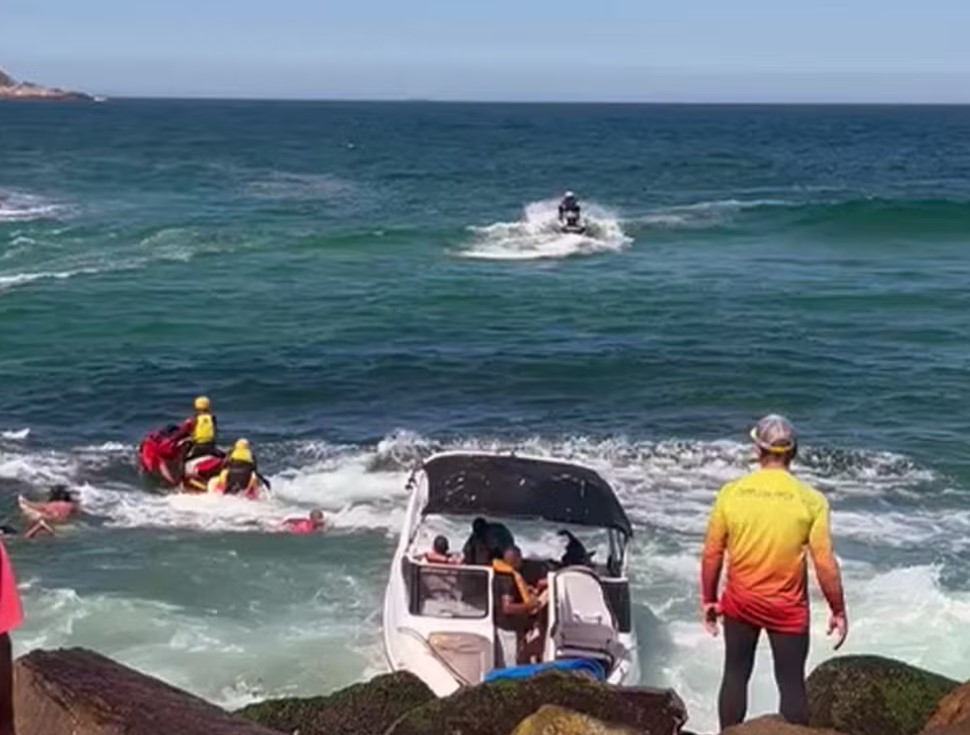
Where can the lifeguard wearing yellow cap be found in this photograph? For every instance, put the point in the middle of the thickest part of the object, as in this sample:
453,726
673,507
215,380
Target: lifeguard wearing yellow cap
202,403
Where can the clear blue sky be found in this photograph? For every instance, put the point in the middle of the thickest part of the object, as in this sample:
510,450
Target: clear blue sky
674,50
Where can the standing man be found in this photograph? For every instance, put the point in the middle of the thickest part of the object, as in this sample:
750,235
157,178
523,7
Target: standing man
11,616
766,521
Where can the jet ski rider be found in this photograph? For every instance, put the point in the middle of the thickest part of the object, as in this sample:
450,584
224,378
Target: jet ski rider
200,430
569,204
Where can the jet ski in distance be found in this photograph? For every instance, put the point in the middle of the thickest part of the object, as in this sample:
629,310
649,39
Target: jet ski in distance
570,218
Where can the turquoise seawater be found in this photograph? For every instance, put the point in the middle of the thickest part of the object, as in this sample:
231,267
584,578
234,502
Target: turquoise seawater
355,285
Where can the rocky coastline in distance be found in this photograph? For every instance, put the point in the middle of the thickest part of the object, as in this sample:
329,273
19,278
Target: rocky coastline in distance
12,90
84,693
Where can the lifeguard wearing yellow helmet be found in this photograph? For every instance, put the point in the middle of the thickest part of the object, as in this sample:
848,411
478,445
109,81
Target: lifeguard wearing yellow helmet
241,452
200,430
238,476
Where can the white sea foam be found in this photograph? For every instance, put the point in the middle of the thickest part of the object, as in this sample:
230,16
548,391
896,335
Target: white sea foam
665,485
16,206
17,435
537,235
179,245
11,280
667,488
231,660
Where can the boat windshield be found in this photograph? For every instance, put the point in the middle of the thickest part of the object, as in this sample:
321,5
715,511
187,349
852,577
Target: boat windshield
447,591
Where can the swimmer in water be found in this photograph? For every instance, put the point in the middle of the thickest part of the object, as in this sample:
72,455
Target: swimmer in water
56,510
314,523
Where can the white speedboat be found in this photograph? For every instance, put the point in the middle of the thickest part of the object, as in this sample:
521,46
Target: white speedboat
439,619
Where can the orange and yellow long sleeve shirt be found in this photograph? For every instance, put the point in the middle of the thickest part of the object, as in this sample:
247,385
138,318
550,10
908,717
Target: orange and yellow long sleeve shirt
768,522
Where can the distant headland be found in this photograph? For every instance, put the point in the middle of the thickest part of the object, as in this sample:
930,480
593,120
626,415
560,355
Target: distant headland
11,89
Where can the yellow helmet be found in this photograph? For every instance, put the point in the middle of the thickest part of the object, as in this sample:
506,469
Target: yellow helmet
202,403
241,444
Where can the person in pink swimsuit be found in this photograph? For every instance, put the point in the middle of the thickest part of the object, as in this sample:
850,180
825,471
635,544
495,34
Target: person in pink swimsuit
305,526
57,510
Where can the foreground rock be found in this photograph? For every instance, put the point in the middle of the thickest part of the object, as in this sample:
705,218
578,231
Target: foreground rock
498,707
552,720
869,695
957,728
363,709
10,89
774,726
83,693
953,710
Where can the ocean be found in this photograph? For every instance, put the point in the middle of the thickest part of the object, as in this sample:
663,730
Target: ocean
357,285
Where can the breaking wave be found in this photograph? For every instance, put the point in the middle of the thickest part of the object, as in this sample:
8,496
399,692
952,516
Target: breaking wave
852,217
895,529
18,206
667,486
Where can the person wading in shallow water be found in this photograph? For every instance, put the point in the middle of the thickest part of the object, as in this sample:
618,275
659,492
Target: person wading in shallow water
766,521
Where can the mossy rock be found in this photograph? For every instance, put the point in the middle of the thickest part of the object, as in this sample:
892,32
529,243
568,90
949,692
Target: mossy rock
553,720
362,709
497,708
774,725
953,711
870,695
958,728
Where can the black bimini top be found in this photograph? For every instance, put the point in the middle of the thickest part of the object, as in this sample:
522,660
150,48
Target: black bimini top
519,487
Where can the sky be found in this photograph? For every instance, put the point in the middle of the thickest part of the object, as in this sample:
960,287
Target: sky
516,50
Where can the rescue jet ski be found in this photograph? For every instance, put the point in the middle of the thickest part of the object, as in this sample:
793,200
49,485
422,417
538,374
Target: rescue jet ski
160,458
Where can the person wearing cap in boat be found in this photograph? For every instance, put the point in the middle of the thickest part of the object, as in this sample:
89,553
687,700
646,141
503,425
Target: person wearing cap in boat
768,522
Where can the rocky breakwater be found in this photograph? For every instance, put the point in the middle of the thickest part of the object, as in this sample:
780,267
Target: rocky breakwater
11,89
77,692
871,695
564,704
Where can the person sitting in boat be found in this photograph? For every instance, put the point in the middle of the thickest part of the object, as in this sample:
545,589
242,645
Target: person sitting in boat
239,475
488,541
439,553
568,205
576,553
519,608
200,430
314,523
